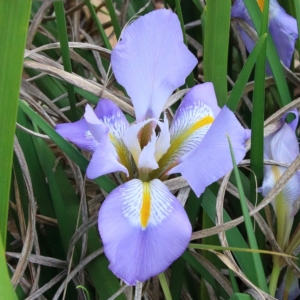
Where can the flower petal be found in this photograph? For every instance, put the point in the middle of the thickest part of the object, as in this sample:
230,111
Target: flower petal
151,74
96,126
147,157
211,159
284,31
283,145
158,145
282,27
112,116
191,122
79,134
144,229
105,160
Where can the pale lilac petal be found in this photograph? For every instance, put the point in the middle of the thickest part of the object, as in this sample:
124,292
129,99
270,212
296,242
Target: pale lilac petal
95,126
105,160
137,251
147,156
284,145
163,140
131,140
191,122
211,159
151,61
112,116
282,27
284,31
79,134
291,288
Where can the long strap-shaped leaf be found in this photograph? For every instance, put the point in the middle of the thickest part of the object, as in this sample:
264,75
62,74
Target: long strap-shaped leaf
14,17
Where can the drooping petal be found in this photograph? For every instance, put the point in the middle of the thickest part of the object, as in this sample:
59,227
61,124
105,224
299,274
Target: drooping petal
191,122
211,159
144,229
151,73
79,134
112,116
282,27
105,160
96,126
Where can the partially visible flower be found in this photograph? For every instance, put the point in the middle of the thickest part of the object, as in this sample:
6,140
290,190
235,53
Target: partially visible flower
282,146
289,288
282,27
143,226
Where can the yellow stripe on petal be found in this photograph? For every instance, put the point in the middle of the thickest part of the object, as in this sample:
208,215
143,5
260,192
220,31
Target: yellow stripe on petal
178,141
146,205
261,4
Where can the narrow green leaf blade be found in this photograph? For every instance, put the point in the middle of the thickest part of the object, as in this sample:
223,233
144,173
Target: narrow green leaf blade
217,37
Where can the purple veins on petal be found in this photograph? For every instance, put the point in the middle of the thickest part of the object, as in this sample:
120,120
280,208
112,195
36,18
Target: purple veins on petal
144,229
151,73
211,159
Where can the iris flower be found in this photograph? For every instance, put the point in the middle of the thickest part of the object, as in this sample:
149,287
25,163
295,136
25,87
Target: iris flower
143,226
283,146
282,27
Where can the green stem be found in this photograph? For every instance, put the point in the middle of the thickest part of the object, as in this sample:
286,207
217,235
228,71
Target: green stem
274,276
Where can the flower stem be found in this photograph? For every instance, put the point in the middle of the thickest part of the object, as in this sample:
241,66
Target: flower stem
274,276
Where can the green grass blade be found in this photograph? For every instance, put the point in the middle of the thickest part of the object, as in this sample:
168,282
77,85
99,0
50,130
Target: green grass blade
217,37
258,267
243,78
114,19
272,55
164,286
98,24
63,37
257,122
6,288
14,17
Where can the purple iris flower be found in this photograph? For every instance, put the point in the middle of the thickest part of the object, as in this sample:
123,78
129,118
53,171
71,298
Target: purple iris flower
282,27
143,226
282,146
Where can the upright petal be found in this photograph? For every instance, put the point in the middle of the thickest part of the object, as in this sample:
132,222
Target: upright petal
144,229
211,159
79,134
146,61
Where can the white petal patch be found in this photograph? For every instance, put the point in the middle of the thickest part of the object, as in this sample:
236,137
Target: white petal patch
163,140
147,158
134,206
189,126
157,145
